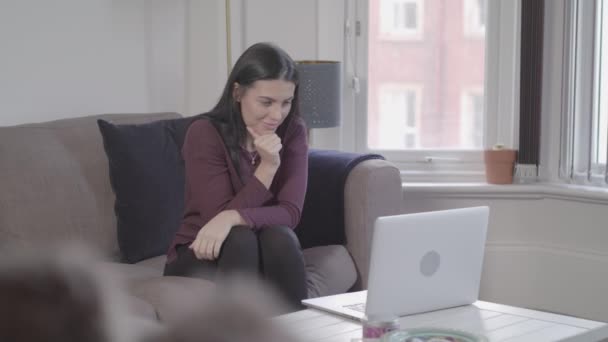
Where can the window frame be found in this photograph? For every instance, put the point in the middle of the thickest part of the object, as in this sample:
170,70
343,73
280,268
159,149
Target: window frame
602,76
580,95
501,105
596,166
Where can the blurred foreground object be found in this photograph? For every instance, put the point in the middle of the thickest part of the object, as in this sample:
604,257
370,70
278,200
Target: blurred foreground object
52,294
61,294
239,310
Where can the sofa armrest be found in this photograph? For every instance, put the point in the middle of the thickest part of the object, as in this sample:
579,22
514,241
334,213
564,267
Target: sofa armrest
373,189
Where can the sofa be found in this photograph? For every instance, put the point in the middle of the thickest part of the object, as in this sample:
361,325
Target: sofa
55,187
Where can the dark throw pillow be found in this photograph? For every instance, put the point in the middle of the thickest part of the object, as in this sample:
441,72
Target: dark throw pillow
147,177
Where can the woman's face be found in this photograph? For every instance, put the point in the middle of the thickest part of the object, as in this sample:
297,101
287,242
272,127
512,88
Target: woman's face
265,104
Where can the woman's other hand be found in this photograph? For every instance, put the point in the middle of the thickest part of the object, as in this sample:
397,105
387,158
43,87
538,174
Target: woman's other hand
211,237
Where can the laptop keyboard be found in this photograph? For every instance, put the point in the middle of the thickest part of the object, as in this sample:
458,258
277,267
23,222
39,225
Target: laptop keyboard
356,307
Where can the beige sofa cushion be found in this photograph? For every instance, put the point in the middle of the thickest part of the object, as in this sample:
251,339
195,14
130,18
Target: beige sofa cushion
174,298
55,183
329,270
156,263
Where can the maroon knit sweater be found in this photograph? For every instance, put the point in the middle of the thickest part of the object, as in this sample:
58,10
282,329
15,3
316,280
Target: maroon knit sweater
212,184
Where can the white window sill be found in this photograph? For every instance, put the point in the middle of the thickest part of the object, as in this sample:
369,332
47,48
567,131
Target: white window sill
523,191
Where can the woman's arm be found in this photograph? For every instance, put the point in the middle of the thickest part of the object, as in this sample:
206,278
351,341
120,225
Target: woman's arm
209,189
209,239
290,185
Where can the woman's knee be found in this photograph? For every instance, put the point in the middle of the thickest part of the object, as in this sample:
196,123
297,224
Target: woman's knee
240,252
241,238
279,238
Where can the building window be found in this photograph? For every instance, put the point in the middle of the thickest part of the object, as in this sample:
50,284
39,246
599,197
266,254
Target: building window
445,66
475,12
471,119
401,19
399,118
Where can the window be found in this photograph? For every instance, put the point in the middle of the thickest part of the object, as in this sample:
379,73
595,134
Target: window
475,17
471,119
444,67
399,118
585,122
400,19
442,79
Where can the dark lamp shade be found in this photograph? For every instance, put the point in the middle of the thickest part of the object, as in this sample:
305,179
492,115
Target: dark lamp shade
320,93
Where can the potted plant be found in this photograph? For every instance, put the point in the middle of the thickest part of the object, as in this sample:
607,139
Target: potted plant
500,163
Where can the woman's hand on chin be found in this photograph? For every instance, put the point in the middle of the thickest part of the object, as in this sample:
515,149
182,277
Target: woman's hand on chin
268,147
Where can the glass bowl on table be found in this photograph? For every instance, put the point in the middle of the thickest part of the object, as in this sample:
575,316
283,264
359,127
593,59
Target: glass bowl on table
431,335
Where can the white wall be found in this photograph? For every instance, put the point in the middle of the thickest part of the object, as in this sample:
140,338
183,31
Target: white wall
165,54
68,58
206,61
545,250
292,24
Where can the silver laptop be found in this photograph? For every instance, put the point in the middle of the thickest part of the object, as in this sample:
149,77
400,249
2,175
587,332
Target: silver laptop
419,262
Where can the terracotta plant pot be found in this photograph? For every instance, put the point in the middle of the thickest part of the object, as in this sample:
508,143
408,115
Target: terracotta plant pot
499,166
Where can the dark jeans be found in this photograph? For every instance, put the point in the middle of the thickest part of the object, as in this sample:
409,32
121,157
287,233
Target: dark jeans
273,252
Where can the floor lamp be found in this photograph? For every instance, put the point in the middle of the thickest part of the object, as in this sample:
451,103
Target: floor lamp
320,93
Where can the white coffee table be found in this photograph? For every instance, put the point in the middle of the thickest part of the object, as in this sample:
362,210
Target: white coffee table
495,321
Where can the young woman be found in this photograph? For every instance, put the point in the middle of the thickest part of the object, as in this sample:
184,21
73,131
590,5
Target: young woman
246,169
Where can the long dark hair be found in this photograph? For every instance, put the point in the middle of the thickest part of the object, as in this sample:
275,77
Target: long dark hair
261,61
